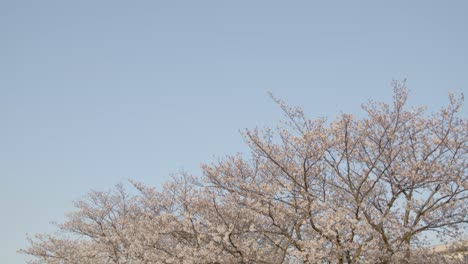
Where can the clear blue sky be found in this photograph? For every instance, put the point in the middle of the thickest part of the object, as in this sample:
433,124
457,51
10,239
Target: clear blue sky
95,92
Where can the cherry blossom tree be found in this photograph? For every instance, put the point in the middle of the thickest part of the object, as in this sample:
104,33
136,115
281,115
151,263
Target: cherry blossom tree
349,190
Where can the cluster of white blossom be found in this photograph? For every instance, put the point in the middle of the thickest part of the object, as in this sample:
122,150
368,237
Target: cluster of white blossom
313,191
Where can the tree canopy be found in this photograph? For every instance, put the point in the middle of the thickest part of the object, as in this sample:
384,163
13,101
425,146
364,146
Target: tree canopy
348,190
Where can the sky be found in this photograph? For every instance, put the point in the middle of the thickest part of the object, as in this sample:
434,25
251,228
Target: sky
93,93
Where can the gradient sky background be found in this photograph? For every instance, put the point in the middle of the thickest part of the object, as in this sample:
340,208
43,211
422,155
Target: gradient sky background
93,93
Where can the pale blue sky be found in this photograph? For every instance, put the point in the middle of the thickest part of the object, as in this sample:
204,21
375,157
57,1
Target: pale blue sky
95,92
